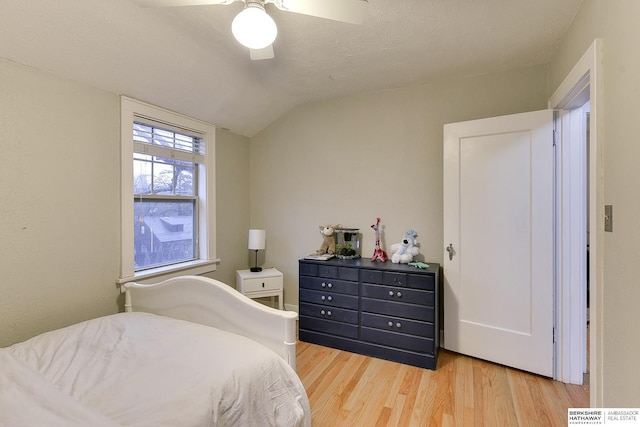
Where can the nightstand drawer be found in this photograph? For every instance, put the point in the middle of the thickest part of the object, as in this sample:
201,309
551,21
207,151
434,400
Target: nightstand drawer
261,284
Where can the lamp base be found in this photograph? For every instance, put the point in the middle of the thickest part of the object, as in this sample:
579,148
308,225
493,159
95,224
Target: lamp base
255,269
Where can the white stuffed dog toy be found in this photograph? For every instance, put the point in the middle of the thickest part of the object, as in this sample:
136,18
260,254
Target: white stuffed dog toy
404,252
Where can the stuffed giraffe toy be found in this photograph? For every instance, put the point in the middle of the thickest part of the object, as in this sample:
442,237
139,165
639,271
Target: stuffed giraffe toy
378,253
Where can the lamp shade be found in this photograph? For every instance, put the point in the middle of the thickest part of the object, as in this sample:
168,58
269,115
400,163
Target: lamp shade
253,27
257,239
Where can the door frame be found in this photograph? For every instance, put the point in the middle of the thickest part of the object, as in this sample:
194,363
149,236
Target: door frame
584,83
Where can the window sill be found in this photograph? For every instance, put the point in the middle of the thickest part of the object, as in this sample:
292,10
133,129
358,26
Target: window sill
163,273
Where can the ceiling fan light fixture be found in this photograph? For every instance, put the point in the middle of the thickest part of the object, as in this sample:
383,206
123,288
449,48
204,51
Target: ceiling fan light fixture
253,27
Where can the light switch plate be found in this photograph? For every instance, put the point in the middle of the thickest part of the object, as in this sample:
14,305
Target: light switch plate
608,218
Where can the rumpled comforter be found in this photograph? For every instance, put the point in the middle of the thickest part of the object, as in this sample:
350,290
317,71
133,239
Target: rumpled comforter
139,369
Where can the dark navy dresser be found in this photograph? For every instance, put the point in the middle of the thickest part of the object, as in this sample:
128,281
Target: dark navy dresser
384,310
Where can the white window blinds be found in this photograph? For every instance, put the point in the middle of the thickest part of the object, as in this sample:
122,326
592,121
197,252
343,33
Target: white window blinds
165,140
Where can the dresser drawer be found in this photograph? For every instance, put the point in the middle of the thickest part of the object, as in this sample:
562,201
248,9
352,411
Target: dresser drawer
398,324
333,285
421,281
371,276
399,294
329,326
397,340
329,313
399,309
307,269
261,284
328,271
329,298
394,279
345,273
416,281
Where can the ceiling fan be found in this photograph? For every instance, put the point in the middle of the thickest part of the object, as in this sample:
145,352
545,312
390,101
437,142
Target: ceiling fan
255,29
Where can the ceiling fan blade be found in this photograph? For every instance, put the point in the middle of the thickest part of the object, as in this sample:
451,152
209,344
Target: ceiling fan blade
352,11
259,54
170,3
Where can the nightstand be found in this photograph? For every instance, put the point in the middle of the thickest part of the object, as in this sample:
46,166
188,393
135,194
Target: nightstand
265,283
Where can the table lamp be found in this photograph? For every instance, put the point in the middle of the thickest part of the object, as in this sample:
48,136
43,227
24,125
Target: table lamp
256,243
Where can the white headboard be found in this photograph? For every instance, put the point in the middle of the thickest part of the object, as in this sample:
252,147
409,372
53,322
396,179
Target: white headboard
211,302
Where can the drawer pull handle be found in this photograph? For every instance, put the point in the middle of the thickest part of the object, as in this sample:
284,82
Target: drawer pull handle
390,324
399,294
323,285
323,298
390,293
398,325
322,312
330,285
263,284
329,313
329,298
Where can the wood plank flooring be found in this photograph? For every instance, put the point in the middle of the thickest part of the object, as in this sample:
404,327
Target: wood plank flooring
347,389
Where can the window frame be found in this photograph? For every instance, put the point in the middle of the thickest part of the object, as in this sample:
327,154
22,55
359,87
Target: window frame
134,110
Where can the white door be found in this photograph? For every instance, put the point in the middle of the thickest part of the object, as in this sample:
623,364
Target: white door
498,224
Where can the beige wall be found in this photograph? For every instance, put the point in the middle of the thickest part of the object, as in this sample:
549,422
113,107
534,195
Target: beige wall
616,22
378,154
60,202
232,200
59,219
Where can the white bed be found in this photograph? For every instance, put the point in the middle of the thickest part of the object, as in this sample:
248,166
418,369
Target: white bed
189,351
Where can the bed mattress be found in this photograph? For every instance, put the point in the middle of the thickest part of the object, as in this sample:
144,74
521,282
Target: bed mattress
140,369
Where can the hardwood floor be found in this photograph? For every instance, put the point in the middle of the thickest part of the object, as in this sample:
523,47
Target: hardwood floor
347,389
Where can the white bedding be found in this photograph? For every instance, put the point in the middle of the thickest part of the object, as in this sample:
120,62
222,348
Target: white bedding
139,369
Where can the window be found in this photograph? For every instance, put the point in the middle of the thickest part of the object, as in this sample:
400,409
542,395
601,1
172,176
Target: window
168,212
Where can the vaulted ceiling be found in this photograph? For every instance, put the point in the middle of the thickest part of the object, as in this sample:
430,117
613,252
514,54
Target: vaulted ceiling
186,59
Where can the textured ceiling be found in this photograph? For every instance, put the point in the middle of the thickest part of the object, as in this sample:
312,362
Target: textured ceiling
185,58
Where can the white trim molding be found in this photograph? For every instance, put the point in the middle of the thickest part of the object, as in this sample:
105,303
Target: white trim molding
584,83
207,261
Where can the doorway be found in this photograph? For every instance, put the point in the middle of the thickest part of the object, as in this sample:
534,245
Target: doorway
571,241
583,84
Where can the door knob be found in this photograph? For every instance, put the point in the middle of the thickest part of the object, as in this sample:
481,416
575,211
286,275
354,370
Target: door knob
451,251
